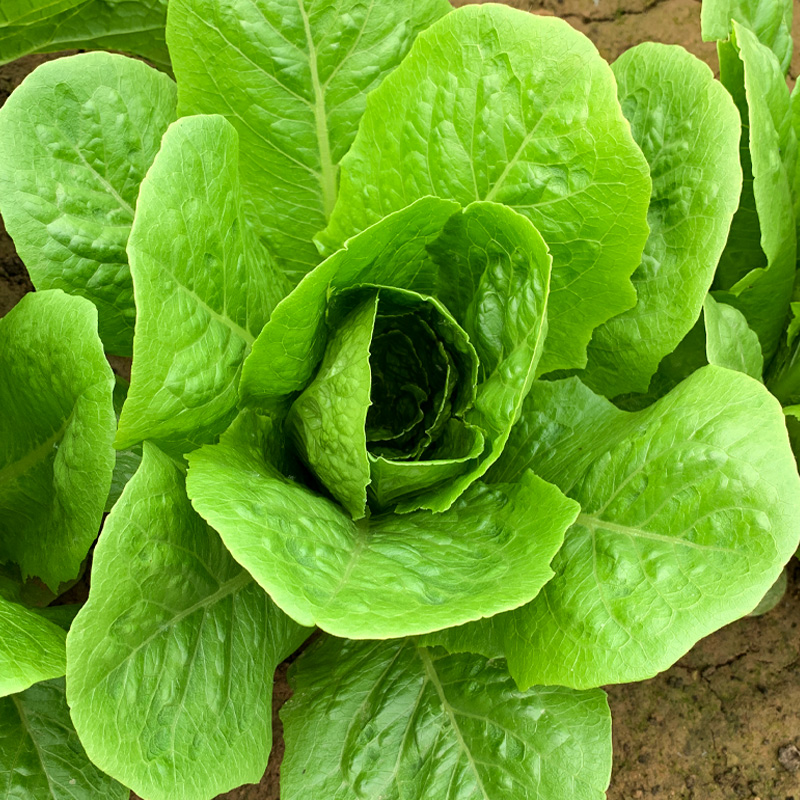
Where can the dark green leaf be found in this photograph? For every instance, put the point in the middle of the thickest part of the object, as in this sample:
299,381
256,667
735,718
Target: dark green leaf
396,721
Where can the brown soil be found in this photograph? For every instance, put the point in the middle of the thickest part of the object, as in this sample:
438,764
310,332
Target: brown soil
723,723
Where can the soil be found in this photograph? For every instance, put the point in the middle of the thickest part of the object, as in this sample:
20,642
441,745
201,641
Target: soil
724,722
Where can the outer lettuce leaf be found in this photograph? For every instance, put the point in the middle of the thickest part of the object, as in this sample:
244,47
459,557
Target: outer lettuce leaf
401,722
487,263
730,342
496,104
41,756
26,12
770,20
689,512
133,26
171,660
203,289
688,129
385,576
56,428
761,286
31,648
76,139
292,76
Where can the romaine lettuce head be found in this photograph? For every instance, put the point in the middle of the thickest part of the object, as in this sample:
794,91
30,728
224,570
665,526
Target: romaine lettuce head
400,363
379,392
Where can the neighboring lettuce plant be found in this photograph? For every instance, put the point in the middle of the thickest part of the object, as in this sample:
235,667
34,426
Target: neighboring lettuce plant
44,26
379,268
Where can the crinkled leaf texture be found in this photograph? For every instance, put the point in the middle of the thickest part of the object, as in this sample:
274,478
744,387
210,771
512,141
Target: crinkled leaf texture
497,104
292,76
203,288
76,139
770,20
133,26
388,575
487,264
689,512
56,429
757,270
171,659
688,128
730,342
402,722
41,757
31,648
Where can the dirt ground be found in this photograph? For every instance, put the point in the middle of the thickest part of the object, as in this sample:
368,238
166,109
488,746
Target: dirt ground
723,723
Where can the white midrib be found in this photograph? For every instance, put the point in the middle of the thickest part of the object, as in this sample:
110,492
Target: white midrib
433,677
589,521
327,178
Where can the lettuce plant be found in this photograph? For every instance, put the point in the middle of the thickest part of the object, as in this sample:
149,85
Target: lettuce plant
39,26
382,270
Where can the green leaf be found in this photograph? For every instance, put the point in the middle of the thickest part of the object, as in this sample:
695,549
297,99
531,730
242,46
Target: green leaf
490,265
330,416
494,271
689,512
686,358
386,575
171,660
292,76
56,430
391,253
770,20
25,12
203,290
688,129
433,483
496,104
41,756
31,649
763,285
76,139
401,722
133,26
729,340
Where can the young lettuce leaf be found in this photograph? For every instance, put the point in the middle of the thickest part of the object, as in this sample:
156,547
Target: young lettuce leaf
770,21
76,139
292,76
388,575
395,720
56,427
495,104
41,755
688,129
171,660
730,342
501,267
133,26
760,284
